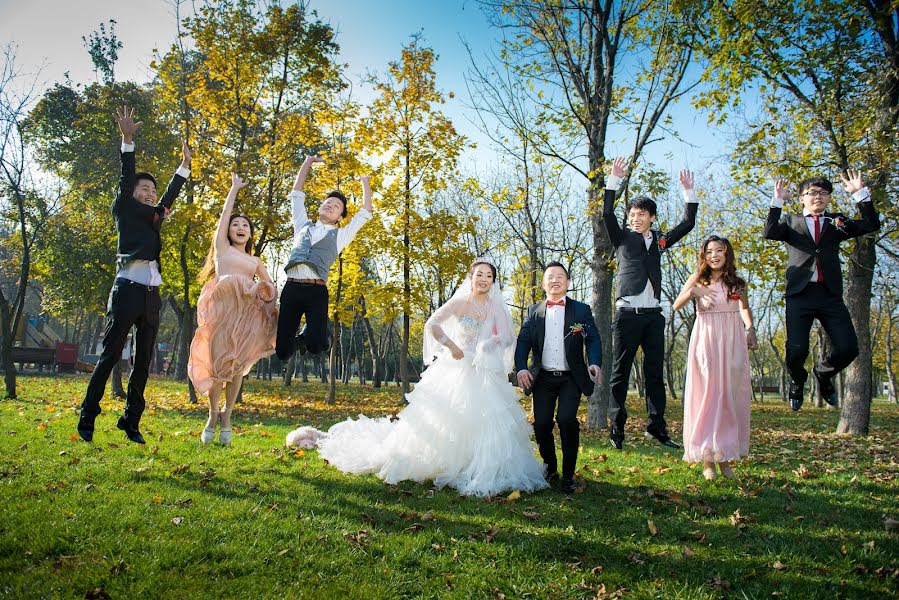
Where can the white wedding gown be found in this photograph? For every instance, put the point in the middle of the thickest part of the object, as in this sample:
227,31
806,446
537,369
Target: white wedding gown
463,428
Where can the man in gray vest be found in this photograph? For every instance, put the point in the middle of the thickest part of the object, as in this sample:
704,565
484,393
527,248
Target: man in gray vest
315,248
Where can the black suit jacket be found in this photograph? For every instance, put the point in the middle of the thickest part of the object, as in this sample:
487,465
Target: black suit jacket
802,250
636,264
533,332
138,224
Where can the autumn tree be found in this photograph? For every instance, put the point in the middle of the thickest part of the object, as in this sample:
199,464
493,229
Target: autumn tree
420,147
572,56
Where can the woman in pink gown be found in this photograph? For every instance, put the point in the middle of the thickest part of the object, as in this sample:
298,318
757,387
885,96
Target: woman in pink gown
718,389
236,317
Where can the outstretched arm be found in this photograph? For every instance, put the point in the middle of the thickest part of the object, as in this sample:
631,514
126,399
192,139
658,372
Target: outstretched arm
613,228
775,228
691,207
178,179
125,119
345,235
298,196
221,233
870,220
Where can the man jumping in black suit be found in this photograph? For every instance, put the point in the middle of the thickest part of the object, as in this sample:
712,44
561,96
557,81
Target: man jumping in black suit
134,300
638,315
814,278
556,333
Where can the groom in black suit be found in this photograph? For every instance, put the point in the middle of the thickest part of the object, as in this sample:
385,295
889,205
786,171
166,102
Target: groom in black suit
814,278
556,333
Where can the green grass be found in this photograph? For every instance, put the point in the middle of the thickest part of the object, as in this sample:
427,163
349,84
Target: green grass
174,519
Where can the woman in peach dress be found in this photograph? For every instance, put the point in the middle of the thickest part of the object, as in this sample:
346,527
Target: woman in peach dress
236,317
718,389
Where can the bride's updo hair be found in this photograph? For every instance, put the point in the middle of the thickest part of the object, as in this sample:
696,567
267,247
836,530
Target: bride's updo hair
482,260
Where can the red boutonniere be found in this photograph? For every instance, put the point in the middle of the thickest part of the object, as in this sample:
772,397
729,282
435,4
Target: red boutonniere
575,329
663,242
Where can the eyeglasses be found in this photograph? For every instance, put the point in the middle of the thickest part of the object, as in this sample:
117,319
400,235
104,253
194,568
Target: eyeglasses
817,193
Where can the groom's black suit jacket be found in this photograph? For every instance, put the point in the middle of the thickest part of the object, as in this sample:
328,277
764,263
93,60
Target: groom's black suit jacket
802,250
533,333
636,264
139,224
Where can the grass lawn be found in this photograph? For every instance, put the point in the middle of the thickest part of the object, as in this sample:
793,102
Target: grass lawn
811,515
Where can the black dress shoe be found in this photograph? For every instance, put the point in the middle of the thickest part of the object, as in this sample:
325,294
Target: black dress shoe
552,477
796,395
825,388
568,486
617,444
132,433
668,442
86,428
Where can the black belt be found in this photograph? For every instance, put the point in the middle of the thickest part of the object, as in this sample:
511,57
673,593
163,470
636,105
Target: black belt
147,288
639,311
555,373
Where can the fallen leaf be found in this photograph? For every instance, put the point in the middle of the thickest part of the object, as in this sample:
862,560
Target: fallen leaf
140,470
283,552
653,530
891,524
778,566
180,469
531,515
428,516
42,427
688,552
178,520
157,500
74,437
513,496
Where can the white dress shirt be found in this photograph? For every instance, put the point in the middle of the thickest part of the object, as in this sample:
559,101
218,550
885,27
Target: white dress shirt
144,272
862,195
317,231
554,339
646,298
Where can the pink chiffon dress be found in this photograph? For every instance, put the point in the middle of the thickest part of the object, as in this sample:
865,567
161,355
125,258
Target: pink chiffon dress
237,320
718,388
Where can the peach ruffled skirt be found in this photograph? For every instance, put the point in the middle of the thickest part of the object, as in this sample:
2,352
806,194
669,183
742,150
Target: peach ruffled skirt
237,321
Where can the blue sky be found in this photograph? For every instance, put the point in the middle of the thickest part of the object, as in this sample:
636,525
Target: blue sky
370,34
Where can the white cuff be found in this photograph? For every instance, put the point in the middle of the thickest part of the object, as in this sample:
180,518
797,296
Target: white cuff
777,202
183,171
127,147
296,195
363,213
690,196
612,182
863,195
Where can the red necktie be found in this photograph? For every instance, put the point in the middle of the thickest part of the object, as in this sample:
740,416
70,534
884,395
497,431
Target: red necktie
817,219
555,303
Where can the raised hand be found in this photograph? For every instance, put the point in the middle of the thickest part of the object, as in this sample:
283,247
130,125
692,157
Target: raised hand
686,179
300,181
237,182
620,168
185,154
311,160
365,180
852,180
782,189
125,118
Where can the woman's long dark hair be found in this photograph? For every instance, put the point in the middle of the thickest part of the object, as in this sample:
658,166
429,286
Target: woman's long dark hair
733,282
208,270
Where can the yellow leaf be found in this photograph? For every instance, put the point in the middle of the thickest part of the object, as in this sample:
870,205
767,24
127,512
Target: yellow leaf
513,496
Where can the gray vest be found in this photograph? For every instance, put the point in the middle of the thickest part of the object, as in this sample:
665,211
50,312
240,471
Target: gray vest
320,255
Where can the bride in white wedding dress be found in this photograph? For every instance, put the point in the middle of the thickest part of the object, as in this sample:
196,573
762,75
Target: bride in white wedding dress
463,427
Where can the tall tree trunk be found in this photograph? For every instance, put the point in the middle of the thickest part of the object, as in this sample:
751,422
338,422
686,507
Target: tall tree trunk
377,371
891,374
598,403
9,369
332,374
407,275
855,413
